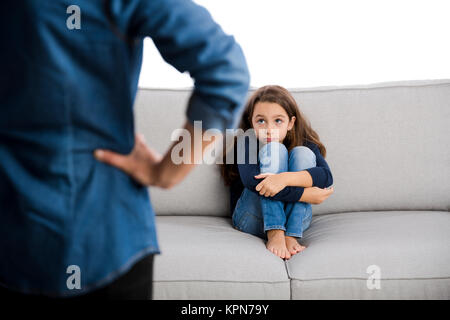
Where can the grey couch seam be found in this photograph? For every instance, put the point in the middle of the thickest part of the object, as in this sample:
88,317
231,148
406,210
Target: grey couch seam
314,214
365,279
381,210
371,86
293,279
375,86
229,281
290,280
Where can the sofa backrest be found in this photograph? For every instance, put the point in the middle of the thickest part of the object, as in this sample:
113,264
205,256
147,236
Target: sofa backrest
387,147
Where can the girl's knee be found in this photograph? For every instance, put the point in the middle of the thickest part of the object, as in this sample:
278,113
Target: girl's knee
273,146
302,157
273,157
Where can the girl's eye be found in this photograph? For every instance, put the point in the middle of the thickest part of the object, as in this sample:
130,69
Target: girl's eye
260,120
280,121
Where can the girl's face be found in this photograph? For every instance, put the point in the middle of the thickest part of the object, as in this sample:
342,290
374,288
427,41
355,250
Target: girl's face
271,122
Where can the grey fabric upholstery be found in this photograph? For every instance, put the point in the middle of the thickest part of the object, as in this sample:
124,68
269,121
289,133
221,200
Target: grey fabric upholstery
206,258
387,147
410,248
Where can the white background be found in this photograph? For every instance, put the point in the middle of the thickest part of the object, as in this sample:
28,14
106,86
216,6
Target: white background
298,43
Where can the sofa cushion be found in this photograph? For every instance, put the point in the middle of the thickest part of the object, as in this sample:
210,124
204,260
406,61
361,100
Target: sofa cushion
206,258
386,147
410,248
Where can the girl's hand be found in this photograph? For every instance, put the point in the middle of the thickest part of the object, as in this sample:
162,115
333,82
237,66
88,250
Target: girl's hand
271,185
315,195
141,164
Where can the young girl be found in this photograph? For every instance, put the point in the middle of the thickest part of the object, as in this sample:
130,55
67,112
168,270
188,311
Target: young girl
271,197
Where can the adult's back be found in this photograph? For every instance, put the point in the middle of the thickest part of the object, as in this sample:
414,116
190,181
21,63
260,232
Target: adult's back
66,91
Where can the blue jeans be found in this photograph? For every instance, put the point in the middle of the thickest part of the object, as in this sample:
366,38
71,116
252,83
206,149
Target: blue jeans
255,214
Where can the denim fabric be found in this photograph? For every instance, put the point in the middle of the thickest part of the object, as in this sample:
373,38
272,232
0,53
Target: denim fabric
66,92
320,174
255,214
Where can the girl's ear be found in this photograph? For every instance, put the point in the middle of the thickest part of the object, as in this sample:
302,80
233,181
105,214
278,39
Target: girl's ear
291,123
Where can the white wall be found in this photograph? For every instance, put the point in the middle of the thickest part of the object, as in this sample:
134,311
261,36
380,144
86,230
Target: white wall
298,43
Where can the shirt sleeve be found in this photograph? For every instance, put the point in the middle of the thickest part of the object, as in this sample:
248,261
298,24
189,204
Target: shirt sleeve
321,173
190,40
248,171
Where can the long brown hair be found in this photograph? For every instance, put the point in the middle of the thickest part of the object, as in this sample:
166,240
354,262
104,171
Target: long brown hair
297,136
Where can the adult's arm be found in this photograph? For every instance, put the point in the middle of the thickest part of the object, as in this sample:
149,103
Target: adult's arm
190,40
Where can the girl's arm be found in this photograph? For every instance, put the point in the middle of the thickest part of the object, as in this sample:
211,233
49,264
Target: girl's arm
248,171
315,195
318,176
294,178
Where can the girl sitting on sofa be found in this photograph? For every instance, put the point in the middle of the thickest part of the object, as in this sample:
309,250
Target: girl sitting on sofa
271,197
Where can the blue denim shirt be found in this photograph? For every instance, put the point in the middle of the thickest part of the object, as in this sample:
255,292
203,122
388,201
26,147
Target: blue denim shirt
66,92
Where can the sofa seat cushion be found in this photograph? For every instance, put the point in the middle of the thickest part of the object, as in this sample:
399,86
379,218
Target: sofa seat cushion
206,258
408,250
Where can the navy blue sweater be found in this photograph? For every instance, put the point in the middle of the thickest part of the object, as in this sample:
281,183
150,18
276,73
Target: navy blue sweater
321,177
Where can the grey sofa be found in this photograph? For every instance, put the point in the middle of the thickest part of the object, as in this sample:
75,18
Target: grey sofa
388,148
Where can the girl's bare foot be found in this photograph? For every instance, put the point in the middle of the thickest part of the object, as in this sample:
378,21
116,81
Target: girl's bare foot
293,246
276,243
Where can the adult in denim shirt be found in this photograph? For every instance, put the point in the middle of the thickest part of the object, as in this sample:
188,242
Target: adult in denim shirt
65,93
